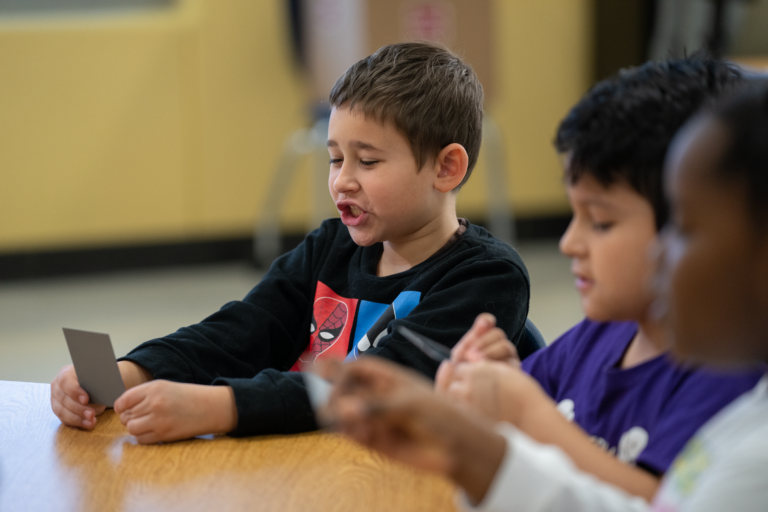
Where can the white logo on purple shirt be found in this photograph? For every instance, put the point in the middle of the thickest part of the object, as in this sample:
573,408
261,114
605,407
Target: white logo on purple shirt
567,408
632,444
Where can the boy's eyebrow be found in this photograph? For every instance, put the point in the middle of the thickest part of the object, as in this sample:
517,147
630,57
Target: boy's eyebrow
357,144
599,202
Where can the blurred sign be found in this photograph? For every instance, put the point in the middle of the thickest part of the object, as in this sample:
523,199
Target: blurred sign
428,20
341,32
335,39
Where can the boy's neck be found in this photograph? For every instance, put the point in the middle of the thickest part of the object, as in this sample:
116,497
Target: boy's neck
407,252
648,343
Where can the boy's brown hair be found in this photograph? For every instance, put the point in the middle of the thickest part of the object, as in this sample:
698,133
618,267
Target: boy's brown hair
429,94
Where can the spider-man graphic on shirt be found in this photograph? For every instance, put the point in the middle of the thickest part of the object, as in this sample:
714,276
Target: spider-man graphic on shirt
333,317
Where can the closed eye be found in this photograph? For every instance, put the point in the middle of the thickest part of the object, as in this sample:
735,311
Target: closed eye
368,163
602,226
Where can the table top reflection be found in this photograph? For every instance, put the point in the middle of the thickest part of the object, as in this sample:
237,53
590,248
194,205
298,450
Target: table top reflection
49,467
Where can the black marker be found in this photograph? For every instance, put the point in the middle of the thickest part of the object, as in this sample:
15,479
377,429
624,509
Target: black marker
434,350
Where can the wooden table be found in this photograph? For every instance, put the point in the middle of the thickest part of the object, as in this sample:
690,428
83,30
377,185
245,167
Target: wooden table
45,466
755,62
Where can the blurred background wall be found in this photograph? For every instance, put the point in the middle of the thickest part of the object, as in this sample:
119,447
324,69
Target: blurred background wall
162,125
159,123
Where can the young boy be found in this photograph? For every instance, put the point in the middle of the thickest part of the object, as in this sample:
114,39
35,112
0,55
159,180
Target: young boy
610,374
404,136
714,289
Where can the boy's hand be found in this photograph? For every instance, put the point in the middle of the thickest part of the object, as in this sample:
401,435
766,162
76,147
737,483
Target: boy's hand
162,410
506,393
395,411
499,391
484,342
70,402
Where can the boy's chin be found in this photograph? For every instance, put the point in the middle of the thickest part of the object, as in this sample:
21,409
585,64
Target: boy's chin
594,312
612,309
362,238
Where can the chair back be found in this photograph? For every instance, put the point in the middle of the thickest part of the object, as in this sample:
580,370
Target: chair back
530,340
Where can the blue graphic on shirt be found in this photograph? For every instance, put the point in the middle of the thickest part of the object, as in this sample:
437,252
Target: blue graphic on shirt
373,318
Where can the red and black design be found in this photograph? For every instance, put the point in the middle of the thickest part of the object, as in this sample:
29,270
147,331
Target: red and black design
333,315
329,332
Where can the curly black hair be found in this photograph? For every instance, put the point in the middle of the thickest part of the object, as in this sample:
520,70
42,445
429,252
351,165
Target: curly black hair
622,127
745,160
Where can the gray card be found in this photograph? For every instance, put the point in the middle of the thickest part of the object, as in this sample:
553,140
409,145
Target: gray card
95,365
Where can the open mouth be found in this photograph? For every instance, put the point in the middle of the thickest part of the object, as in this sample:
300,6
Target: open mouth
583,283
352,215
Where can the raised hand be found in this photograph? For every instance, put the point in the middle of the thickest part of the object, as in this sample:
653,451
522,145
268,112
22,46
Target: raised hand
484,342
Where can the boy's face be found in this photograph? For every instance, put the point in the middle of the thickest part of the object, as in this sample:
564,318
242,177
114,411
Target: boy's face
714,263
375,181
608,241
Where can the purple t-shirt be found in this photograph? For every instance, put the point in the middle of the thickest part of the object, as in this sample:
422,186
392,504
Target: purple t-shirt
643,415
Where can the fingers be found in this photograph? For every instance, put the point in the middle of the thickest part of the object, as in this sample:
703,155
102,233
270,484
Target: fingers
484,341
459,389
352,419
139,426
73,414
483,323
69,401
493,346
148,438
411,427
137,413
144,429
168,411
376,377
131,398
328,369
66,381
444,376
369,381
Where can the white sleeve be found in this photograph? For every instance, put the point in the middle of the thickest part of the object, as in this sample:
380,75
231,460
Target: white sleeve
738,482
534,478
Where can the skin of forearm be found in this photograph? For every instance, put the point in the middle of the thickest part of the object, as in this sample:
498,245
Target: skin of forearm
133,374
545,424
478,451
220,400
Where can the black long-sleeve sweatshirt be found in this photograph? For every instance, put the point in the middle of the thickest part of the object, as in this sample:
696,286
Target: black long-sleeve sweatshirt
323,299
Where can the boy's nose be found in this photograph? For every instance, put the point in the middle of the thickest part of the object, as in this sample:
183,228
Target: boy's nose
344,180
570,243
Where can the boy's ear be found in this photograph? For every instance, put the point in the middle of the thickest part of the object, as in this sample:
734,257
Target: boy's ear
451,165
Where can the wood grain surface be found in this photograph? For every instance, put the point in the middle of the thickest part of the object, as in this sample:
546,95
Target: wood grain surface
45,466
